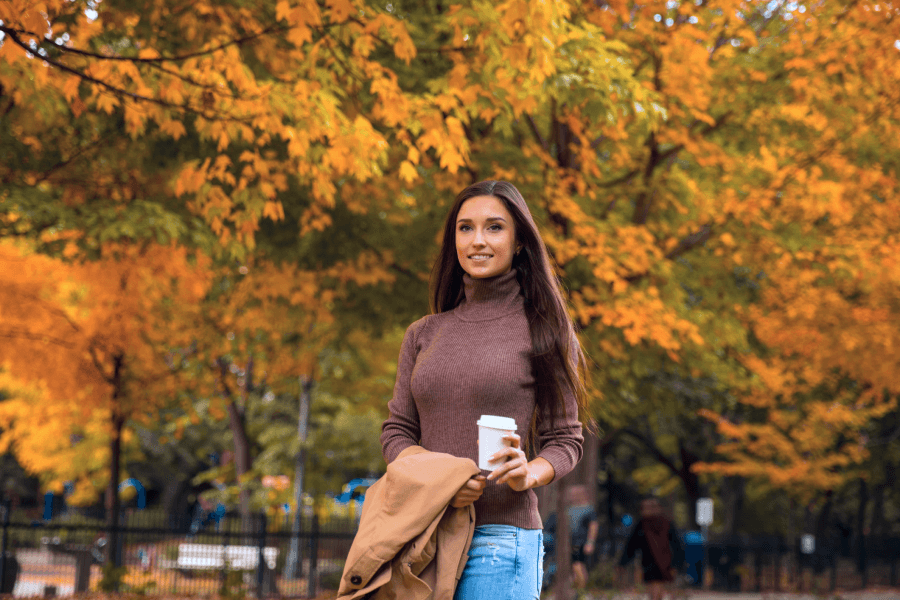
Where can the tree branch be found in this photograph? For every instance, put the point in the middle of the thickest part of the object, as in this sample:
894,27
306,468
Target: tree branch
162,59
223,378
35,337
657,453
644,198
537,134
46,174
119,91
690,241
620,179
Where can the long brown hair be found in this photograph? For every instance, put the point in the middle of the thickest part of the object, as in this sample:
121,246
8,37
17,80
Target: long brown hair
557,360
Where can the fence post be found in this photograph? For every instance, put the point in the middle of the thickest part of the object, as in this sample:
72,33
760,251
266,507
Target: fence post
120,541
261,560
313,581
4,508
225,554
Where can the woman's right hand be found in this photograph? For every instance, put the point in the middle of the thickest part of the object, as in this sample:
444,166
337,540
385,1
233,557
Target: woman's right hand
470,492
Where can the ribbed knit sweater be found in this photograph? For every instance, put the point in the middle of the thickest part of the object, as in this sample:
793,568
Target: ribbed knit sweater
470,361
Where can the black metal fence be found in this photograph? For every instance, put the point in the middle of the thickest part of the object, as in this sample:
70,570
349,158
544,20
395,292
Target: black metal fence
772,563
266,556
762,563
225,554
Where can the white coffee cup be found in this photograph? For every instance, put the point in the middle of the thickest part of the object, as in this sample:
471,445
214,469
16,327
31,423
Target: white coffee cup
491,430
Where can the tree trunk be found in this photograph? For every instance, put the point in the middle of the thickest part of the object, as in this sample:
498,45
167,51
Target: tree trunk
113,506
242,462
877,524
733,500
563,585
690,480
823,518
173,497
861,529
236,422
591,459
294,567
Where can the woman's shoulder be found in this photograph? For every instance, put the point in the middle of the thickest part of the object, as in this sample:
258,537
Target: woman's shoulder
427,323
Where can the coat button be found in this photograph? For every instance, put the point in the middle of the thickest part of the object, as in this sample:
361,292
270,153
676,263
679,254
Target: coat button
356,580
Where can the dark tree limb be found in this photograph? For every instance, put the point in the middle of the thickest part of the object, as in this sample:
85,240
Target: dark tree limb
691,241
14,33
537,134
117,91
35,337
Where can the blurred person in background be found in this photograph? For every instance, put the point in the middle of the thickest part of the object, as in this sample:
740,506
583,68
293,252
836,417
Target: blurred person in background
584,525
661,550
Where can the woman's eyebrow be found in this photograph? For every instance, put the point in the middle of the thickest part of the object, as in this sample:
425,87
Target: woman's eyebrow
488,219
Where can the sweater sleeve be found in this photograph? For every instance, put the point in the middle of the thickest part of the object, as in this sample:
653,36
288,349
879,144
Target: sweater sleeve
401,429
561,443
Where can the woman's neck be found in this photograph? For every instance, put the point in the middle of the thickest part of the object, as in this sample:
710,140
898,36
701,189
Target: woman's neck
491,297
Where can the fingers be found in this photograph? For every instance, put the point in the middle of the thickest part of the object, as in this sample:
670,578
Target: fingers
511,453
516,460
503,477
515,440
469,492
464,499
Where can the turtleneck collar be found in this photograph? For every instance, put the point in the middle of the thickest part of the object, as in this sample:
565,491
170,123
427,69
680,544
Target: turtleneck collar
490,298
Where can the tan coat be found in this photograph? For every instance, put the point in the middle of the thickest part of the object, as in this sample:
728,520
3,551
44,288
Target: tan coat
411,544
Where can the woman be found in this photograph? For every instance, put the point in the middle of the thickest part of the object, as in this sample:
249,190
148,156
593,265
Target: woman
499,341
661,550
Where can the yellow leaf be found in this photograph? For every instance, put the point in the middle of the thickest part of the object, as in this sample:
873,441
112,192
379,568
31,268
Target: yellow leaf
408,172
340,10
172,128
282,9
274,211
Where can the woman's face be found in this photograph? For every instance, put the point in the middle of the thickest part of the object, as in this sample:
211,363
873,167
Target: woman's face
485,237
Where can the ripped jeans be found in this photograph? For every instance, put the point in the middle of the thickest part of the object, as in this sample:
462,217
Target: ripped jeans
504,563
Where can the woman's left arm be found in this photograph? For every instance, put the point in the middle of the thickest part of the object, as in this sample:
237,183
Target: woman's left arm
561,448
561,443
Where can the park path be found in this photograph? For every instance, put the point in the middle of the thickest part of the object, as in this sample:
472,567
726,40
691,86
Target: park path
879,594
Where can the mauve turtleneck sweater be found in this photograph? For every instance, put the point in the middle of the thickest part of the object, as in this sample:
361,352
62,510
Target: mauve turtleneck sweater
470,361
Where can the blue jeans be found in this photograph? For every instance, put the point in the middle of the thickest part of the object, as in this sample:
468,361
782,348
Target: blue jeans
504,563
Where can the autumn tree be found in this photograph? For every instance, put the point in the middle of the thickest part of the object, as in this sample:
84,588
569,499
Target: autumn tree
81,357
691,216
717,181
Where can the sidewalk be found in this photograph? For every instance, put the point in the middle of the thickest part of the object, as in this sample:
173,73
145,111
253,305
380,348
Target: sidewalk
885,594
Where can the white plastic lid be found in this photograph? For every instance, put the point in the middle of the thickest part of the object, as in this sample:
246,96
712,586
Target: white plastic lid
495,422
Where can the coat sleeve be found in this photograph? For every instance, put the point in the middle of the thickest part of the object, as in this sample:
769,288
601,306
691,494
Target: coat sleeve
561,442
401,429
